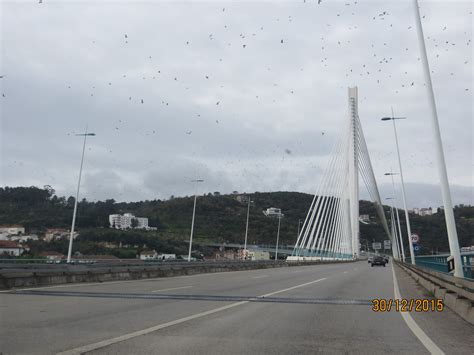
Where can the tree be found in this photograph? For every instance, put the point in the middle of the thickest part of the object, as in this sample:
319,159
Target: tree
134,223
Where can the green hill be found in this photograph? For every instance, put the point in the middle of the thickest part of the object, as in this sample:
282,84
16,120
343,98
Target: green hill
219,218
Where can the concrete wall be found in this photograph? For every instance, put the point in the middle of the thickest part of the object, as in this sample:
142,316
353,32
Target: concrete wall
16,277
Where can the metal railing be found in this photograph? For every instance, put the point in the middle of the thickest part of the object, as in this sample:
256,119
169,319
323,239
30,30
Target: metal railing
440,263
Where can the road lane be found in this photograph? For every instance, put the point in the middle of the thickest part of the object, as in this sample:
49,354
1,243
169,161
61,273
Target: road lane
59,323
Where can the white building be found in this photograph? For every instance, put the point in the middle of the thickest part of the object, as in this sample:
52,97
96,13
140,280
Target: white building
57,233
13,229
148,255
272,212
259,255
24,238
423,211
10,248
167,257
124,221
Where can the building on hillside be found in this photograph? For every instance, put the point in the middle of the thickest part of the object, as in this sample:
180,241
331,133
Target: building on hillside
52,256
243,254
166,257
23,238
272,212
56,233
423,211
225,255
259,255
13,229
242,198
148,255
125,221
10,248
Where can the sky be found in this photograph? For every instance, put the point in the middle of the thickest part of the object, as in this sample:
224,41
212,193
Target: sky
246,95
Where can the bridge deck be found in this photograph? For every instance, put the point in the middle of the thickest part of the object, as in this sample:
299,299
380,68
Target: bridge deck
309,309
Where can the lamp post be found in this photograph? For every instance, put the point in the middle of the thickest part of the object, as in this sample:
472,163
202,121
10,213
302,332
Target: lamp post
395,252
247,226
192,223
410,243
443,174
402,249
85,135
278,236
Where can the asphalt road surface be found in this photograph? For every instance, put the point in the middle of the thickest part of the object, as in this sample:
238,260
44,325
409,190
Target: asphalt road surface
295,310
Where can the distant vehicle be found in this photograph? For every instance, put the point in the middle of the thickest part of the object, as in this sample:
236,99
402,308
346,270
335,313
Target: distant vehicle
370,259
378,260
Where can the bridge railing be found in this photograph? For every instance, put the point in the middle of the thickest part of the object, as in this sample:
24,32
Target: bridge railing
440,263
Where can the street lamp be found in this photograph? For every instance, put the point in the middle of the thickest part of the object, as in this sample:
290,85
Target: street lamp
85,135
280,216
192,223
410,243
396,251
398,217
443,174
247,227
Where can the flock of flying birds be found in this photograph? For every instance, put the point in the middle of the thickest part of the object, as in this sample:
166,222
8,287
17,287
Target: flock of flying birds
378,65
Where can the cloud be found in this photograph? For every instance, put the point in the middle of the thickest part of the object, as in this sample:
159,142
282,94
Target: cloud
68,64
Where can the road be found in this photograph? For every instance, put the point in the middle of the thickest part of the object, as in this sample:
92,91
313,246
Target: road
309,309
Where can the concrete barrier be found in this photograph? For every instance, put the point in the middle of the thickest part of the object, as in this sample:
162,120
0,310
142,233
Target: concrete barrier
457,294
35,277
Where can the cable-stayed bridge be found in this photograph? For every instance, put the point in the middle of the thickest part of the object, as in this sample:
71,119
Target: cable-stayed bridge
331,227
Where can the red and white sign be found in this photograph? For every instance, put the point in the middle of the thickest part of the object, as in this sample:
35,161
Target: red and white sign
415,238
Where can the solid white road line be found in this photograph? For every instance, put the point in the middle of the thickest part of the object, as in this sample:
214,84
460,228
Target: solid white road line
104,343
171,289
259,277
416,330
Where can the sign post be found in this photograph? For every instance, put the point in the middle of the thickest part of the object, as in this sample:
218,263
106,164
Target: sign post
376,246
450,261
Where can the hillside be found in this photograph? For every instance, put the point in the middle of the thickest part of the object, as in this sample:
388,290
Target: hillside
219,218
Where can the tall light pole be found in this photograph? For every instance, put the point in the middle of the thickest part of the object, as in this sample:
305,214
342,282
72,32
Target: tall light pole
247,226
192,223
395,252
410,243
69,251
278,236
443,174
398,216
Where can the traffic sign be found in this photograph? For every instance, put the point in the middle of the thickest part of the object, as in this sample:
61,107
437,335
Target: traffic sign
387,244
416,248
450,261
376,246
415,238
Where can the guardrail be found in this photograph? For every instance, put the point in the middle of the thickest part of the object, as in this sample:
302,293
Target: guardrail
457,293
440,263
32,275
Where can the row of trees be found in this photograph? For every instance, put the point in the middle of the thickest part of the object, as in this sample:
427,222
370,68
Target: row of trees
219,218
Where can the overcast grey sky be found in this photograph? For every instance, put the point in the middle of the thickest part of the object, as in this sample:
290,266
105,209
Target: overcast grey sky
237,93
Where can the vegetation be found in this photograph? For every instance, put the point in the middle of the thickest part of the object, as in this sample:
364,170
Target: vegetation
219,218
